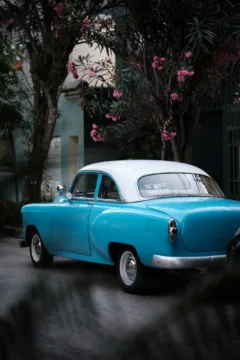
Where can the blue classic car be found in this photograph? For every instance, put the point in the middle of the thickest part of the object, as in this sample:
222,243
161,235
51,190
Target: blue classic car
135,214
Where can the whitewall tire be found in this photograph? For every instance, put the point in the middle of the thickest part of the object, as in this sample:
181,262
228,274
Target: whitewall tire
38,252
130,271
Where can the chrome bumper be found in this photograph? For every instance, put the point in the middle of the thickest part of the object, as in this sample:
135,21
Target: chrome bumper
170,262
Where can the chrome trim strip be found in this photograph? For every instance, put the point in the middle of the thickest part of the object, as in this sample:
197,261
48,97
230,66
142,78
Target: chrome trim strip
191,262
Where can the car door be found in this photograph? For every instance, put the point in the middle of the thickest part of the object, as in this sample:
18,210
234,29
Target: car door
108,198
71,218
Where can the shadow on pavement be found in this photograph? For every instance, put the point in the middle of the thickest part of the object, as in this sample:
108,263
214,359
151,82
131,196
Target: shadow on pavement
159,283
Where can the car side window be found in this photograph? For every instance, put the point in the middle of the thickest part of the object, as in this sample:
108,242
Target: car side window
108,189
85,185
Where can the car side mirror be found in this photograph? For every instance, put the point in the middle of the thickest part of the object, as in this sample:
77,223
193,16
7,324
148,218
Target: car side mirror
69,196
61,189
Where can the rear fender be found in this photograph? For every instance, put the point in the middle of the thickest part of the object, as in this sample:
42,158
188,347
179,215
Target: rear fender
132,227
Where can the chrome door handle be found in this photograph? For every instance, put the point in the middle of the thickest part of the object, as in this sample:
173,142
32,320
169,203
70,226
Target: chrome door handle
90,203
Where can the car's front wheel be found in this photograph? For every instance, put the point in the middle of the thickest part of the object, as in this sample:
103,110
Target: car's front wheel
130,271
38,252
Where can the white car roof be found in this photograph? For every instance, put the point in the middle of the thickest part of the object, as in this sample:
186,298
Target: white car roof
126,173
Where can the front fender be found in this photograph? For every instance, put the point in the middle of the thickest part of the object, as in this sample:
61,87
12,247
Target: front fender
39,216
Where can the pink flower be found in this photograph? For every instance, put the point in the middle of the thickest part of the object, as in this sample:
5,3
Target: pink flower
108,60
91,72
86,20
188,54
72,69
139,66
174,96
117,94
181,78
93,132
75,74
158,62
96,134
151,99
112,116
183,73
167,135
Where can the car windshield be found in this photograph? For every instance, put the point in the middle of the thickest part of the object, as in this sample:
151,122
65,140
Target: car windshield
178,184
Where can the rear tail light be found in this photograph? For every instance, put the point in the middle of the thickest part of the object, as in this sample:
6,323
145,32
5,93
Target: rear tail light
172,230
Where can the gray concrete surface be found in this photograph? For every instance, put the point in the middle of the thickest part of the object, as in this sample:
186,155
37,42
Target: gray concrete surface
76,328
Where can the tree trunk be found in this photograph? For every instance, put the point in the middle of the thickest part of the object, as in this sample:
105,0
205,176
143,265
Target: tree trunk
14,167
187,156
164,150
175,149
46,111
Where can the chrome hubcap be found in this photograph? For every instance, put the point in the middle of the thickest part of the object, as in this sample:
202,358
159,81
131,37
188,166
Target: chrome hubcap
36,248
128,268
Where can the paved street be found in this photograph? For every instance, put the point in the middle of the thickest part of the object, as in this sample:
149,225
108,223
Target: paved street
116,312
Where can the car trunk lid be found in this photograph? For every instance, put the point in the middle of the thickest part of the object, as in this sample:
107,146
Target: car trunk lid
207,224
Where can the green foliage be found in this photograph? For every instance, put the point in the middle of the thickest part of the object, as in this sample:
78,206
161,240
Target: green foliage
13,92
168,29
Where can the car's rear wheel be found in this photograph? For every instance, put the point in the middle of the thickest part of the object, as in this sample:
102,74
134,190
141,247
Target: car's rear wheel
130,271
39,255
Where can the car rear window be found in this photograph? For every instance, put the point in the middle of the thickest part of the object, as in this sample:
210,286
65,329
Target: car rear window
178,184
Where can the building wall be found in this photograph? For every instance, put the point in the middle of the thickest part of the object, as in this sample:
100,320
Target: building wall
93,155
208,146
69,130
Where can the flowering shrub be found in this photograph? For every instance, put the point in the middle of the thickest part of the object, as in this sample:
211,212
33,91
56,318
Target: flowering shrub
97,24
130,72
166,77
